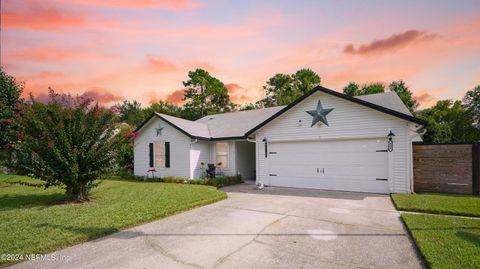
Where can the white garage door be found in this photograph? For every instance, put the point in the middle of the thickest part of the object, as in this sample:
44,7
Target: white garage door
350,165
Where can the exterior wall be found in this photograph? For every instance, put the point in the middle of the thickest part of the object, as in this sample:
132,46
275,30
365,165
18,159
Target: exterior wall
348,120
443,168
199,152
245,159
179,150
231,169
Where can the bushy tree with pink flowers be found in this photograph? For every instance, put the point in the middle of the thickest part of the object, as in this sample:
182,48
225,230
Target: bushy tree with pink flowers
71,142
10,105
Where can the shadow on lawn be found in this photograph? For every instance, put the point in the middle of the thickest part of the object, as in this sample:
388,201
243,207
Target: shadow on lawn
89,232
15,201
467,236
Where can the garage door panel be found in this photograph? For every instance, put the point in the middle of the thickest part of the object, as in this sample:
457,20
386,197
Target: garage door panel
342,165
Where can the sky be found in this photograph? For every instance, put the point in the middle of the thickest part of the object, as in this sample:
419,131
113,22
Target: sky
115,50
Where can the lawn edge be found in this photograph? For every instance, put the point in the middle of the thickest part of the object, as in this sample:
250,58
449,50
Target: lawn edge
436,212
418,251
194,205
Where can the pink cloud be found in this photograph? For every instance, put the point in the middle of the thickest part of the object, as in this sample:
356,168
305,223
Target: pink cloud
159,64
176,97
99,95
174,5
56,55
393,42
42,15
38,15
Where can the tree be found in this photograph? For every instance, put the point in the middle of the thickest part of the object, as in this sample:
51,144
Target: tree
164,108
130,112
71,142
283,89
124,148
448,121
372,88
404,93
353,89
205,95
305,80
471,101
248,106
10,106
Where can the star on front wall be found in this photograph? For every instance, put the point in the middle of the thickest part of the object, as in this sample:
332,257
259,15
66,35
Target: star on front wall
159,130
319,114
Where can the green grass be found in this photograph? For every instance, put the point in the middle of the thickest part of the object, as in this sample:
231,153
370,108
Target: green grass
444,241
30,222
449,204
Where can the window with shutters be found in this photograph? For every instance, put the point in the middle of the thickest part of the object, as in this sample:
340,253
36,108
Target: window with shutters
221,150
160,154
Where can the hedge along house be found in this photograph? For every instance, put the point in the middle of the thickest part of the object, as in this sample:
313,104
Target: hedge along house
323,140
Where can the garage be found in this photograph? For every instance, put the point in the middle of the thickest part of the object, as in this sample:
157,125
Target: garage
347,165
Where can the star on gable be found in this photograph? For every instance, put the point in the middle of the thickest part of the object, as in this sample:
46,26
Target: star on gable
159,130
319,114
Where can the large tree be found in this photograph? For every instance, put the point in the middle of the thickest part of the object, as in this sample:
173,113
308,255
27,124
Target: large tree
10,105
205,95
471,101
283,89
70,141
448,121
353,89
164,108
404,93
130,112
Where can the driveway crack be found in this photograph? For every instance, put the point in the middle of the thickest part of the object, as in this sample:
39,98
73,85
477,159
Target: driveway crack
224,258
167,254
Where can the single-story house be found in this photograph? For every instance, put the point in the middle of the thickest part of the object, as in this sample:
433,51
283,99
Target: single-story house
323,140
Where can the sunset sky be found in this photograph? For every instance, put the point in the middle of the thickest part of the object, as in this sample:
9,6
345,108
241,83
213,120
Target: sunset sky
113,50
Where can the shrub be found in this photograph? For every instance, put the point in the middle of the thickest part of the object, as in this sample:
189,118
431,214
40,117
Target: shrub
70,142
219,181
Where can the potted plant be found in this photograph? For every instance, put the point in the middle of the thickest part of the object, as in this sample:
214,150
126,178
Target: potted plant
153,171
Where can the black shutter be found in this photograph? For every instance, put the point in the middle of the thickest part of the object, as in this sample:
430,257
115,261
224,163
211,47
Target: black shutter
151,154
167,154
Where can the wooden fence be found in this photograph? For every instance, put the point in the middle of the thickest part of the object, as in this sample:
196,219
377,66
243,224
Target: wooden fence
449,168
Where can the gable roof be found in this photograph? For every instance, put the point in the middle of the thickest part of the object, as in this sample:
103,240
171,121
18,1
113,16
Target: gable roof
386,99
240,124
372,105
236,124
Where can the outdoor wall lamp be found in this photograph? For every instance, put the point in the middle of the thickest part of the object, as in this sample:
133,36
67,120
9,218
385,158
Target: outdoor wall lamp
265,141
390,141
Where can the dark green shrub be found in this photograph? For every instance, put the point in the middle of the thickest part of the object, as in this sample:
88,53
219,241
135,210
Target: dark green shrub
217,182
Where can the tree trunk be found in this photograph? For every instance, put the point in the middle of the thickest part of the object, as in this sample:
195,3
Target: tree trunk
77,192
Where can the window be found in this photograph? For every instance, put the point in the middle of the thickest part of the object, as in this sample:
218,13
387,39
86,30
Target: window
160,154
221,150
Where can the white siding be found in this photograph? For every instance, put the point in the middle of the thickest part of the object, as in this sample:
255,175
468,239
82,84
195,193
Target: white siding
245,159
179,150
348,120
231,169
199,152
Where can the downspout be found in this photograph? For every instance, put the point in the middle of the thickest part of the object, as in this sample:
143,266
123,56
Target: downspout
416,133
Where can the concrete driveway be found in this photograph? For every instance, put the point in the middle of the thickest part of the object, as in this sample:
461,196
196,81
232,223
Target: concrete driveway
270,228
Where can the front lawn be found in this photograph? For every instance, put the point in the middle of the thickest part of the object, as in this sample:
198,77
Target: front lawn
444,241
450,204
32,222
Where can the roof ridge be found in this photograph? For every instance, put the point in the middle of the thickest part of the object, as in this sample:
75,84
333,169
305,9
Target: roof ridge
239,111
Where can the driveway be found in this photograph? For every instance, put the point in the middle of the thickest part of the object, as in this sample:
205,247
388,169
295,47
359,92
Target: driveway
269,228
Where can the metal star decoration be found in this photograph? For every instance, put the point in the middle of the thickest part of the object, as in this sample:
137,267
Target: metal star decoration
159,130
319,114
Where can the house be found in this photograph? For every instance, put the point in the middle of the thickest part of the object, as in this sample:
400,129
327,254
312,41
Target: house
324,140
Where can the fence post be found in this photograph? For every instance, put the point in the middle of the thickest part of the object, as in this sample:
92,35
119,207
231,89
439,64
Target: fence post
475,168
